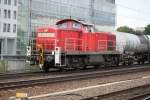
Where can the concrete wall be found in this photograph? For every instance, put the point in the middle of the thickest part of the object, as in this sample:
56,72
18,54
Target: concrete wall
16,65
3,66
20,65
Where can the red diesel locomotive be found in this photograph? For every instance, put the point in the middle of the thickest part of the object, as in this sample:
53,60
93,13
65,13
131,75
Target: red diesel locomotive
72,44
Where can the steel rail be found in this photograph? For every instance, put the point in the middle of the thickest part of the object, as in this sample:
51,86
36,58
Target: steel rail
70,77
41,73
144,96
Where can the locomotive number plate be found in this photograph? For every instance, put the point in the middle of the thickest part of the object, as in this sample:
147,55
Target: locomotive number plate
46,34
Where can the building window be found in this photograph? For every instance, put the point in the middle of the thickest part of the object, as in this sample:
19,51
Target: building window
14,28
0,26
9,2
9,14
15,15
8,27
0,13
5,2
111,1
15,2
4,27
5,13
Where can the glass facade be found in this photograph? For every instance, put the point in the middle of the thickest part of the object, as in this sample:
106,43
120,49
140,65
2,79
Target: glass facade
47,12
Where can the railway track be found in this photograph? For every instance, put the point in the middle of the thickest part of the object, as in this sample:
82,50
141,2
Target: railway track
70,76
138,93
144,96
55,72
16,75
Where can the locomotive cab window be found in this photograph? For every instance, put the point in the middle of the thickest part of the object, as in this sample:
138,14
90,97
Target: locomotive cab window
76,25
63,25
89,29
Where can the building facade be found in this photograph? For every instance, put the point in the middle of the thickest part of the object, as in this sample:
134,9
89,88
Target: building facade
101,13
8,27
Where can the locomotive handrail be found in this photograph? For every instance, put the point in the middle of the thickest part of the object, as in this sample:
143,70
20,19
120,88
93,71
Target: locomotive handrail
74,43
45,45
105,45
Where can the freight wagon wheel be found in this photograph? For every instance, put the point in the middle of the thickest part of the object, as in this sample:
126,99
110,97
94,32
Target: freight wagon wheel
117,60
130,61
139,61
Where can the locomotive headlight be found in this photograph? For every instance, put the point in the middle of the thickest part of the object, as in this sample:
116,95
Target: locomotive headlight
49,58
28,51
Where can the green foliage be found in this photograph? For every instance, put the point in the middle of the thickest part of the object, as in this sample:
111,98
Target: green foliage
147,30
125,29
3,66
139,32
129,30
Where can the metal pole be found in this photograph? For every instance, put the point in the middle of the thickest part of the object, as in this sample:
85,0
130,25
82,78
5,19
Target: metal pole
92,11
70,15
148,48
30,20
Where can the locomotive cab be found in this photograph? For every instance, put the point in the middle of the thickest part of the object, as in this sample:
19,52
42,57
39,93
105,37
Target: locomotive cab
69,24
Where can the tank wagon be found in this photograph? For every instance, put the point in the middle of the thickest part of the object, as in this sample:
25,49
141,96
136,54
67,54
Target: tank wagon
136,47
74,44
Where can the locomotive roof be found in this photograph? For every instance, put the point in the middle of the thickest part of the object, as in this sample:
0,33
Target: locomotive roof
66,20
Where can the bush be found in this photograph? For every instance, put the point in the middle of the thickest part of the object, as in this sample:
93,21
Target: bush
3,66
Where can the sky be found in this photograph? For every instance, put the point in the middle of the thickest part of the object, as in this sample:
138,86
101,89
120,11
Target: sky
133,13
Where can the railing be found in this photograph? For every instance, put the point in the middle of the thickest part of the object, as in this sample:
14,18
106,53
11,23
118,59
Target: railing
74,44
48,45
106,45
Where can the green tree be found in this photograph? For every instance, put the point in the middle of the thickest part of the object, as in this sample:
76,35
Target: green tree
147,30
139,32
125,29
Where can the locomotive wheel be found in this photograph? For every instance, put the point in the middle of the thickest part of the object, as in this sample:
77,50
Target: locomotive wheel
96,66
117,60
81,65
46,67
69,65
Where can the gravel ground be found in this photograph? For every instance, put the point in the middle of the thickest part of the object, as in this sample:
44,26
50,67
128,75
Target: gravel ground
62,86
43,75
127,94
